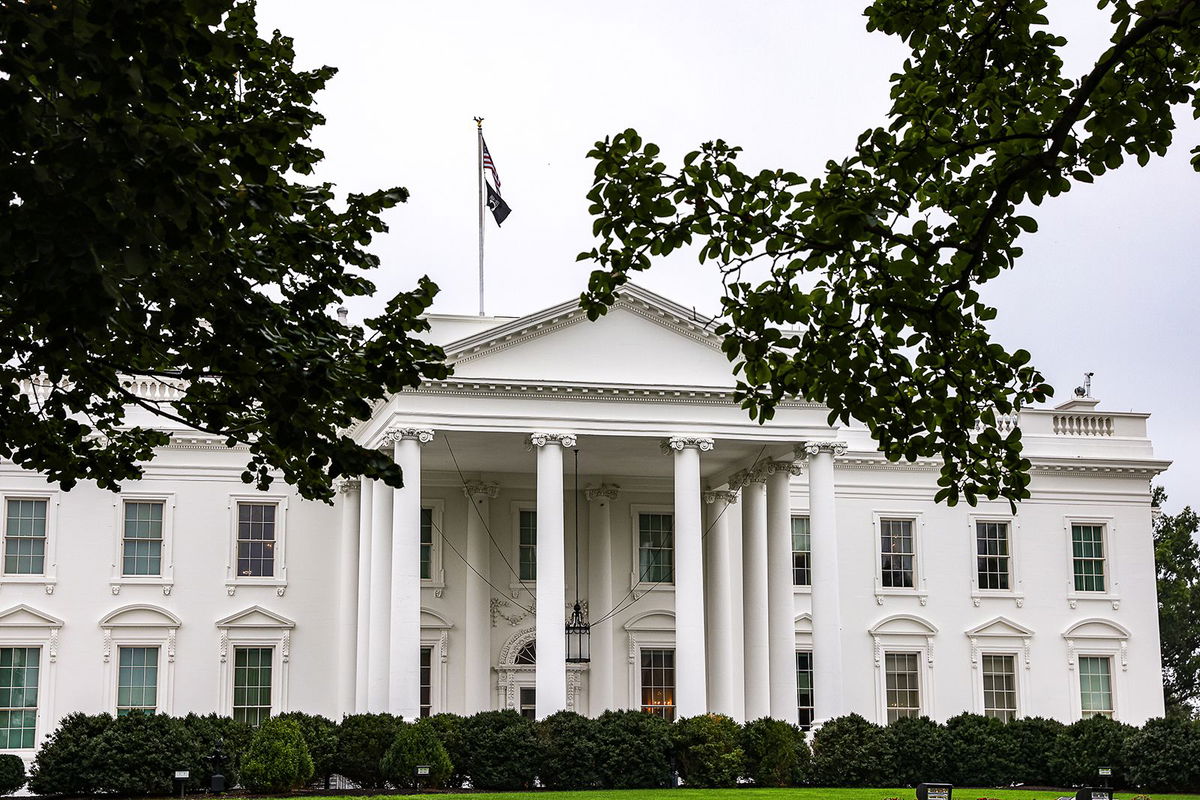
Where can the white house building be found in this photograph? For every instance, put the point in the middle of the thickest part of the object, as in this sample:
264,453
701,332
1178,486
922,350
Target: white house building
784,569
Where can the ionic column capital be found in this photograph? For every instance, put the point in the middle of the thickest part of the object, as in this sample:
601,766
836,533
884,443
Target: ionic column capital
815,448
790,467
473,488
397,433
348,485
722,495
543,439
756,474
605,491
678,443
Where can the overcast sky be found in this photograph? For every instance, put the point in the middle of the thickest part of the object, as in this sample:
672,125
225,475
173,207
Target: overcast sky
1108,284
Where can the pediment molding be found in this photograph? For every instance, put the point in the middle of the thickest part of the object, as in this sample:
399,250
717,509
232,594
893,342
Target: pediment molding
26,616
140,615
433,620
1096,628
255,617
652,621
1000,626
903,625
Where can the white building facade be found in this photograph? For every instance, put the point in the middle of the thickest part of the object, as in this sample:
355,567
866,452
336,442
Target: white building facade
784,569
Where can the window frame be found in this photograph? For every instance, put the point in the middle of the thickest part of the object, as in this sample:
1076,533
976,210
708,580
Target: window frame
437,573
256,627
642,650
1111,593
279,582
37,708
796,587
1015,591
158,670
635,554
1018,688
1112,681
919,588
1096,637
435,634
49,575
272,709
140,625
812,690
166,577
905,633
1001,636
24,626
922,688
515,584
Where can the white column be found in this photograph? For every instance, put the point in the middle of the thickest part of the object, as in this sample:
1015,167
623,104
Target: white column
718,603
551,670
362,658
405,629
756,650
347,610
826,602
691,697
381,599
477,650
781,603
600,597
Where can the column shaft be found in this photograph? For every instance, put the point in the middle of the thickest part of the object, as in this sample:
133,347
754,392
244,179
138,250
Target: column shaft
600,598
826,601
756,650
690,680
363,621
719,604
405,628
477,623
381,598
781,604
551,670
347,615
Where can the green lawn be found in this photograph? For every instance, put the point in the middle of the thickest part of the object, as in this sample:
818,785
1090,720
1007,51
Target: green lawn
789,794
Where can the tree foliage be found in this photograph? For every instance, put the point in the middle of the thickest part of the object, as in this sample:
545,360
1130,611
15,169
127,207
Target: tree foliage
1177,561
153,226
871,304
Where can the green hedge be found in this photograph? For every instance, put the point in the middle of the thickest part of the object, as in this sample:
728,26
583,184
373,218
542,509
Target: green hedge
416,745
278,759
774,753
12,773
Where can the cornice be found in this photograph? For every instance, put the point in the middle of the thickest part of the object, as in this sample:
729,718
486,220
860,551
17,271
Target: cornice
575,391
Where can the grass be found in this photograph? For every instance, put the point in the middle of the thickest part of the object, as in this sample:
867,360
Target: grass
790,794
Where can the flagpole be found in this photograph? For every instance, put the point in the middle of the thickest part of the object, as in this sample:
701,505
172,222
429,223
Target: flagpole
479,204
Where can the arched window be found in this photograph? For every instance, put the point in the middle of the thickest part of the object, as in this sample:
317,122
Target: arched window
527,654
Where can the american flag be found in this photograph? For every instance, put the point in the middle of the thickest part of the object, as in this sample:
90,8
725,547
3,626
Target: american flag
488,164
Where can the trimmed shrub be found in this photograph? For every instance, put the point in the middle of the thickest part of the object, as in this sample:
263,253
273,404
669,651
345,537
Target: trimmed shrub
1030,746
66,763
849,751
1164,756
363,740
212,734
138,754
1084,746
500,749
12,773
278,759
918,746
774,752
569,751
448,728
320,735
416,744
635,750
976,750
707,751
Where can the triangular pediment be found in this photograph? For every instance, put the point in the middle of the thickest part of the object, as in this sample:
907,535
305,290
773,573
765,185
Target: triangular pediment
23,616
644,339
255,617
804,623
1000,626
140,616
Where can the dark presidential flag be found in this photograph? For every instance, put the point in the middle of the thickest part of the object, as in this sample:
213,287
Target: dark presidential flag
496,204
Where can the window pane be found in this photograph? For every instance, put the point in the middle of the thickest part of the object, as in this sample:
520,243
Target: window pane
528,545
528,702
426,681
656,548
992,549
1095,686
897,553
658,683
1000,687
804,688
801,552
426,543
25,537
1087,548
256,540
902,684
137,680
252,684
19,673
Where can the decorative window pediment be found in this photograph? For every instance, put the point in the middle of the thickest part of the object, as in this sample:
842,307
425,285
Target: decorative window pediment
23,616
804,624
255,617
903,625
432,620
1001,626
652,621
1096,628
140,616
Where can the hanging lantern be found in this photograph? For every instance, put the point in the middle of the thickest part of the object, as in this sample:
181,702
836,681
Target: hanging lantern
579,638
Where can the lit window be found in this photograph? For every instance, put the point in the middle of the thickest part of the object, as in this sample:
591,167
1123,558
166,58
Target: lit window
903,685
897,553
137,680
804,688
1087,548
256,540
426,680
528,702
19,668
992,560
527,554
1095,686
141,547
25,538
252,684
658,683
1000,687
426,543
801,554
656,548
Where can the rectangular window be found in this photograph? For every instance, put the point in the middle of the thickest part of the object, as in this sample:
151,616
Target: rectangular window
25,537
656,548
1095,686
256,540
528,701
992,555
804,688
1087,549
137,680
252,684
19,667
898,553
902,684
658,683
141,547
527,554
426,681
426,543
1000,687
801,554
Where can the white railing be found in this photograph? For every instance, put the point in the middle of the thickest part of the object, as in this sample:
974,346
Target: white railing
1082,425
152,389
